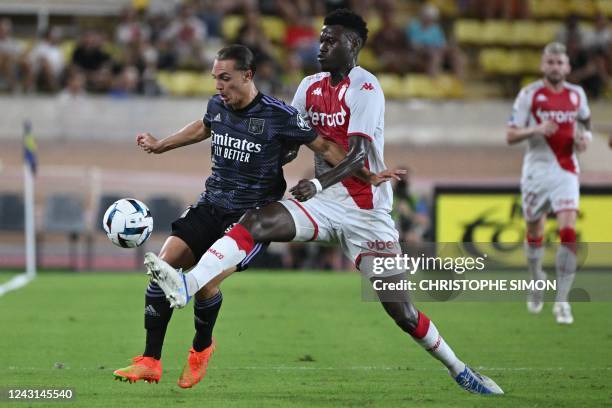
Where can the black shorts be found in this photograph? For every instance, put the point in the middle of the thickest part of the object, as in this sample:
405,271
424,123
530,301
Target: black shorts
203,224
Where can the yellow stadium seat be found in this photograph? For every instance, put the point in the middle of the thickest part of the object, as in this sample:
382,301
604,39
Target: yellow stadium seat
585,8
204,84
67,47
230,26
468,31
546,32
604,7
497,32
391,85
523,32
274,28
549,8
491,60
369,60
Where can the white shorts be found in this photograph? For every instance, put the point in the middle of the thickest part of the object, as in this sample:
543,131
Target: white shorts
555,190
360,233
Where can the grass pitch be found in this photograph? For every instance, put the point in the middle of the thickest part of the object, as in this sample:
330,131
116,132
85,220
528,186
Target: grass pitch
296,339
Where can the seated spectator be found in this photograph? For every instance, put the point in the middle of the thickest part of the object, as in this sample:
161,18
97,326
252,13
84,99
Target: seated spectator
11,52
392,48
427,38
131,30
570,29
187,34
588,67
75,85
601,36
302,41
252,35
45,63
125,83
410,212
93,61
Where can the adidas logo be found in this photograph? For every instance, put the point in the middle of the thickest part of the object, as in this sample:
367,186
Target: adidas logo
150,311
217,118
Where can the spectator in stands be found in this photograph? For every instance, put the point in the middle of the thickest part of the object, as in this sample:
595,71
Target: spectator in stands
11,52
187,34
75,85
410,212
125,83
44,64
392,48
427,38
93,61
301,39
571,30
253,36
588,67
601,36
494,9
131,30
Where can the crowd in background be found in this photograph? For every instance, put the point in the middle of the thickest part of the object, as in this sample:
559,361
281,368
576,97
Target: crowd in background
124,57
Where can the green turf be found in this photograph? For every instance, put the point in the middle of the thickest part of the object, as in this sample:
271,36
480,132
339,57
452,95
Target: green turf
271,323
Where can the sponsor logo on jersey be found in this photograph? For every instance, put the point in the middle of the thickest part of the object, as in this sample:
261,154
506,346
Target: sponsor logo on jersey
557,116
327,119
317,92
233,148
367,86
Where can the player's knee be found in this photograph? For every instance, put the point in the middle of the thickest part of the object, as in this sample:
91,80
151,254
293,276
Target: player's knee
257,224
567,235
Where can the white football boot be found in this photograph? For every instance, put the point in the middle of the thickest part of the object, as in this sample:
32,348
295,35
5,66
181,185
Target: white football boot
170,280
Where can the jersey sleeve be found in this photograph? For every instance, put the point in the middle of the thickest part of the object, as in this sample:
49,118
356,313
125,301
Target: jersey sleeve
584,112
366,103
299,99
297,130
208,116
521,110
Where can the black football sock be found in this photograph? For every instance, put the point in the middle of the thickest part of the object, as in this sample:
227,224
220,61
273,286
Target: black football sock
205,314
157,315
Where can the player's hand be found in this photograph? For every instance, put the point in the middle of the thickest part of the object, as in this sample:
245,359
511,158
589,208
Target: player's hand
304,190
148,143
387,175
547,128
582,140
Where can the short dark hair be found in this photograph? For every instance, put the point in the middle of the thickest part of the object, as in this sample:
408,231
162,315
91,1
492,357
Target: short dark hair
243,57
349,20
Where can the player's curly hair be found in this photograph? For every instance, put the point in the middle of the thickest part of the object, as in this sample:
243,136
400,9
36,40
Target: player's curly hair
350,20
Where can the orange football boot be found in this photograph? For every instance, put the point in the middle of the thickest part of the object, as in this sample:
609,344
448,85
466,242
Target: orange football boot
195,368
144,368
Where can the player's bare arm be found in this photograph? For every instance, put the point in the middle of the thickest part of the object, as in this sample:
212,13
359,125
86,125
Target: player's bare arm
516,134
583,135
350,165
193,132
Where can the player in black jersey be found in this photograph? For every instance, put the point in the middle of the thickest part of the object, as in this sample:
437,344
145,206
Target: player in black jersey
252,136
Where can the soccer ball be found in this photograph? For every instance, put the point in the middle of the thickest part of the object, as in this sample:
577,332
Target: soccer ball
128,223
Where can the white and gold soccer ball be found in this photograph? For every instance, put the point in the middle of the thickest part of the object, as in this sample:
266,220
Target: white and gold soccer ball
128,223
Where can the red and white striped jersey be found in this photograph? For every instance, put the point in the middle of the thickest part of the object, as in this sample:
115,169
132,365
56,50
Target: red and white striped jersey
535,104
354,107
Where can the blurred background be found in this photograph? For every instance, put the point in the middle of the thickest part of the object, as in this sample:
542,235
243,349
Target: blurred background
90,75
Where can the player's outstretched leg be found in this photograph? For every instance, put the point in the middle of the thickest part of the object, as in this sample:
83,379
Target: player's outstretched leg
426,334
270,223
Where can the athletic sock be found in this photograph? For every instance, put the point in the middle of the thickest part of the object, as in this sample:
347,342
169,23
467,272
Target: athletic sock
157,314
566,263
535,252
225,253
427,336
205,314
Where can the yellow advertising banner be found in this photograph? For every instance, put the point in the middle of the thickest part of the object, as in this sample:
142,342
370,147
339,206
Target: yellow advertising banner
491,219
